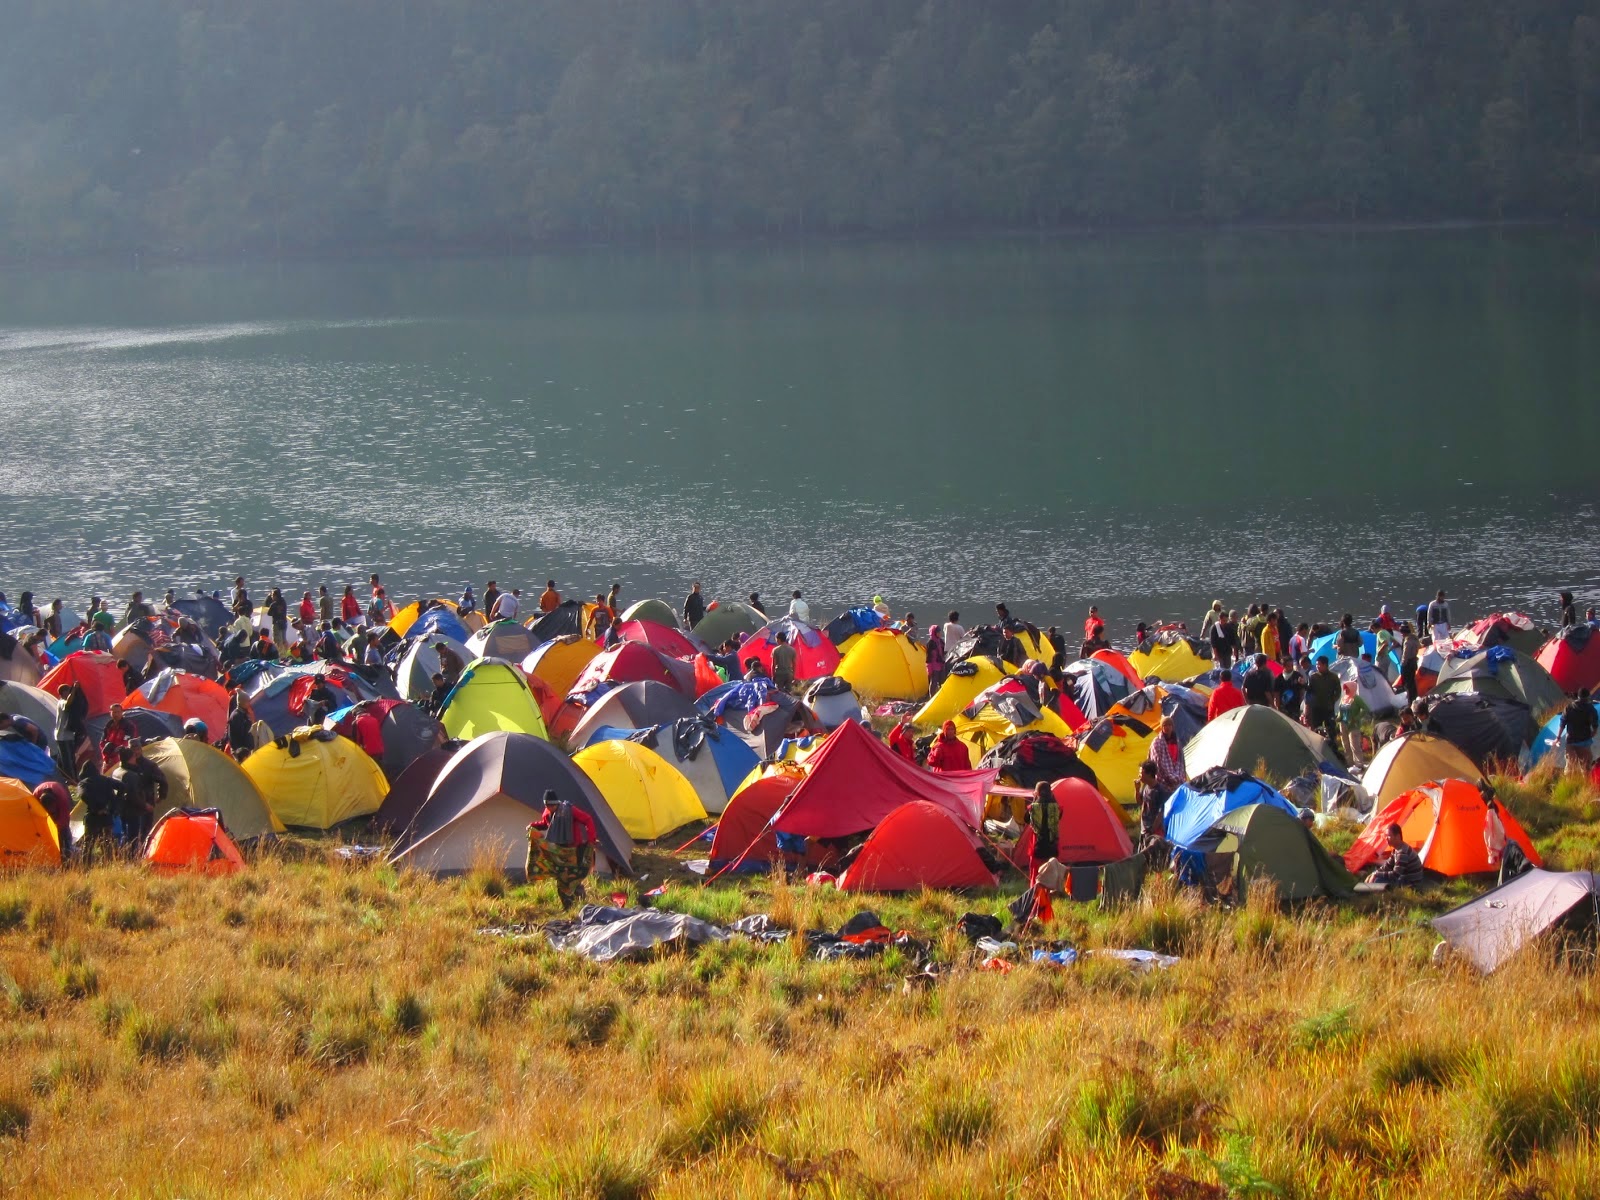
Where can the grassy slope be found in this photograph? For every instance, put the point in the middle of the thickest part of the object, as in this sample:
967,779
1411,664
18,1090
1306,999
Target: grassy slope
314,1029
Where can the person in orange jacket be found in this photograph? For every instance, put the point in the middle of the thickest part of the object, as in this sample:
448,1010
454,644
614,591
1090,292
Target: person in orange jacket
948,752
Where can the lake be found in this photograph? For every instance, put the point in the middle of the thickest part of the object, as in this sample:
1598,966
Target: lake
1325,421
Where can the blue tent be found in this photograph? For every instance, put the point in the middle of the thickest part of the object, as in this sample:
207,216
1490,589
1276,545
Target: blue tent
438,620
1369,645
1195,807
22,760
733,757
1549,746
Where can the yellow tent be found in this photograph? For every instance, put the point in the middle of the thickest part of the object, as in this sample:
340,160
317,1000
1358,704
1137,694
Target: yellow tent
959,690
1114,750
885,664
201,776
792,759
1173,663
649,795
316,782
989,727
559,662
1036,648
406,617
492,696
1408,762
27,834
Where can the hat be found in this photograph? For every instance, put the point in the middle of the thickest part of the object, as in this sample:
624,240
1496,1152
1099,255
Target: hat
195,725
877,599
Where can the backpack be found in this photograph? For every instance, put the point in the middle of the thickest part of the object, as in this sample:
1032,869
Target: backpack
559,830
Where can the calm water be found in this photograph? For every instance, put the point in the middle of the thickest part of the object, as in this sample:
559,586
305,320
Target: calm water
1148,422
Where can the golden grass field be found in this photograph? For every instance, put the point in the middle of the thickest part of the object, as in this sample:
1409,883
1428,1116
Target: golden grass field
309,1028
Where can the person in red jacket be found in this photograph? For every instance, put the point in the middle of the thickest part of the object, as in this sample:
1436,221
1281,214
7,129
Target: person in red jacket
901,740
1226,698
948,752
561,847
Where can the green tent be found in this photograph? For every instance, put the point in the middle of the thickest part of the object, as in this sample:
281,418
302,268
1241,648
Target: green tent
491,696
1506,674
658,611
1257,739
728,619
1267,843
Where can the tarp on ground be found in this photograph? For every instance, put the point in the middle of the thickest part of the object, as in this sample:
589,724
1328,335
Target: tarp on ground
603,934
1493,928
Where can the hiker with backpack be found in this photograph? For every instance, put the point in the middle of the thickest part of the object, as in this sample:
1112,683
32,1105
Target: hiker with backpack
561,847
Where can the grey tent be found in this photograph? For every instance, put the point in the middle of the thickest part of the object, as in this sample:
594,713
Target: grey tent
658,611
1494,927
503,639
634,705
566,618
409,792
1504,674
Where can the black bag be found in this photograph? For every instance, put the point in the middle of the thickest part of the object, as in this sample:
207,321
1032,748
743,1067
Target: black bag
975,925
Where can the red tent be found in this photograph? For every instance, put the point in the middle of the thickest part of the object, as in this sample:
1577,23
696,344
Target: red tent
1573,658
184,695
662,638
99,674
1090,832
816,657
1113,658
854,781
1067,708
742,829
918,845
634,662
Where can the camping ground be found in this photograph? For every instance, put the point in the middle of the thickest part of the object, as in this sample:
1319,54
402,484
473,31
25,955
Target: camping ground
315,1028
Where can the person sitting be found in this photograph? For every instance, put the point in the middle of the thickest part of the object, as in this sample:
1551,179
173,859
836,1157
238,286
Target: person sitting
948,752
1403,867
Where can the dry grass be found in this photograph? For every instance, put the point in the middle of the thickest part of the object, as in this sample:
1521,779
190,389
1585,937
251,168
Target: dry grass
313,1029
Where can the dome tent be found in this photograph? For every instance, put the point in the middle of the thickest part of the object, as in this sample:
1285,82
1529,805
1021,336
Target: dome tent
966,680
663,639
1444,822
712,759
631,706
1252,736
918,845
409,791
483,800
413,674
1170,658
649,796
1267,843
1517,630
564,620
22,700
634,662
1113,748
194,840
184,695
1411,760
1485,728
1198,805
1502,672
503,639
28,836
656,611
1370,683
317,780
1095,685
201,777
833,702
885,664
729,618
560,661
1090,831
1572,657
491,695
815,656
98,674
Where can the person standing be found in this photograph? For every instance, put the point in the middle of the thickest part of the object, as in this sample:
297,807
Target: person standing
278,617
102,803
1152,795
1258,681
468,603
599,620
239,594
1569,611
308,616
1225,697
614,602
1094,632
1289,690
1214,614
948,752
1579,723
118,733
1270,645
1225,641
72,726
798,608
934,656
507,606
1322,700
1354,718
549,599
144,789
902,740
349,606
561,847
324,605
1044,818
953,630
783,663
755,602
450,664
491,594
694,606
1166,755
1439,618
55,801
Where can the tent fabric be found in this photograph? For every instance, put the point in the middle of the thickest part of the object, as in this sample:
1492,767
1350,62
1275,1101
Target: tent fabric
1412,760
184,695
918,845
278,696
631,706
1169,660
491,695
98,673
833,702
1195,807
21,700
194,841
436,623
1113,748
1327,646
854,781
885,664
1089,832
503,639
1149,704
413,675
202,777
565,620
211,615
1370,683
480,806
149,724
409,791
17,665
560,661
317,781
1504,673
1494,927
1034,758
604,934
28,836
1487,729
633,662
965,682
729,619
743,831
1116,660
993,718
650,796
713,760
1254,735
1517,630
1267,843
815,656
657,611
405,730
21,759
1572,657
1444,822
664,639
1549,747
1094,685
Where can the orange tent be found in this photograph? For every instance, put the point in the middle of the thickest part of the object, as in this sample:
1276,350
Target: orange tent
1089,831
27,834
1123,667
99,674
184,695
1444,821
192,840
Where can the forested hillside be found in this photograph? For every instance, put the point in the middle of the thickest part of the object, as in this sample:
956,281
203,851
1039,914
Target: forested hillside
236,126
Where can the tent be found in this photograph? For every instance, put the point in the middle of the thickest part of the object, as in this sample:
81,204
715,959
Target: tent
1034,758
565,620
664,639
1113,748
1090,831
1171,658
1370,683
21,700
1486,728
27,834
744,829
410,789
1094,685
405,732
435,623
480,806
202,777
211,615
633,662
1504,673
1327,646
854,781
1443,821
1121,665
21,759
184,695
1198,805
731,703
727,619
815,655
279,696
560,661
833,702
650,796
503,639
885,664
491,695
1572,657
98,673
1149,704
1412,760
1002,712
194,840
316,780
713,760
658,612
918,845
1491,929
1516,630
1549,747
1267,843
413,674
17,665
849,625
631,706
960,688
1254,737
